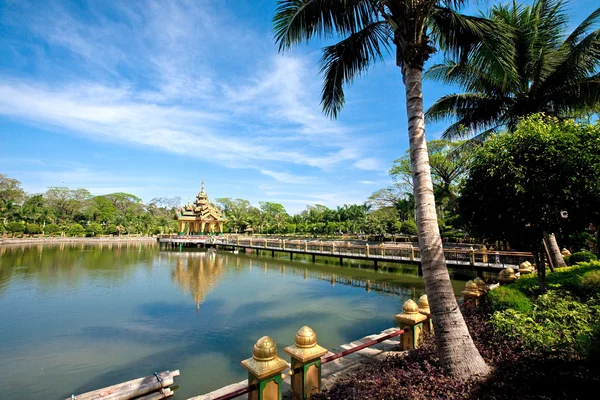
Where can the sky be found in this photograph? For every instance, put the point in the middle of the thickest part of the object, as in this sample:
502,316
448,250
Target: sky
151,97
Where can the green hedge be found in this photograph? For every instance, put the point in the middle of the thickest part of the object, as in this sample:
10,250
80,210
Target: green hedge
582,256
504,297
568,278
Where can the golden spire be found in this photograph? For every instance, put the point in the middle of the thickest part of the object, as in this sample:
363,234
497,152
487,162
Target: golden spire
202,186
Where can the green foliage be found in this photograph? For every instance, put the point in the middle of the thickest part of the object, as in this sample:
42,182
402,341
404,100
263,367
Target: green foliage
519,183
409,227
51,229
76,230
111,229
590,284
567,279
582,256
2,228
504,298
558,323
93,229
33,229
15,227
541,69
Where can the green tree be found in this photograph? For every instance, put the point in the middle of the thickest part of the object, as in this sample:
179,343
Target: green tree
93,229
65,202
449,162
33,229
15,227
369,29
519,183
542,69
51,229
76,230
11,195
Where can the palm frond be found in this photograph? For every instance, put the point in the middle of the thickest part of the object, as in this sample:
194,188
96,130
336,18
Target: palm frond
296,21
343,61
584,28
458,34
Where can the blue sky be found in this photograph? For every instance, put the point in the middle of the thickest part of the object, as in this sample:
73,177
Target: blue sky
152,97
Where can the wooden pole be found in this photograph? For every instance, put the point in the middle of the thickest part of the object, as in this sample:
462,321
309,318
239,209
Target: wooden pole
131,389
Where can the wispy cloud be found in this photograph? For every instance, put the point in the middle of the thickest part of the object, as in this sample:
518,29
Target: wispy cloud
367,182
146,81
286,177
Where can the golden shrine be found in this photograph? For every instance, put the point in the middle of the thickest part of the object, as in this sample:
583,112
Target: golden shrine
200,217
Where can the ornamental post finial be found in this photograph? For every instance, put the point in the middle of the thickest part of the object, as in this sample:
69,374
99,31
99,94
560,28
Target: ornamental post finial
203,185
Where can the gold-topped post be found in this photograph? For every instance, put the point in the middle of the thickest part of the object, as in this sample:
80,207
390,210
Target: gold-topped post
306,364
471,256
367,250
525,268
507,275
412,253
264,370
412,322
484,256
423,304
471,293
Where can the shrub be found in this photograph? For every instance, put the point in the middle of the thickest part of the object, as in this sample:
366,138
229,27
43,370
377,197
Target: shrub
504,298
590,283
568,278
51,229
111,229
409,227
76,230
582,256
33,229
2,228
558,324
93,229
15,227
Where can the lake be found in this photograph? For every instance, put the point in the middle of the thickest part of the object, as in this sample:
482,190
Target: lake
81,317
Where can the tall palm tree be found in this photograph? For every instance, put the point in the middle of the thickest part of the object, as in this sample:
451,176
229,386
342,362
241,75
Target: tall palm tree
541,70
369,29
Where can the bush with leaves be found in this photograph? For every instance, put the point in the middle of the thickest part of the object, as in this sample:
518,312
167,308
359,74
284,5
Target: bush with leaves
15,227
505,297
590,284
51,229
582,256
568,278
409,227
33,229
93,229
557,324
76,230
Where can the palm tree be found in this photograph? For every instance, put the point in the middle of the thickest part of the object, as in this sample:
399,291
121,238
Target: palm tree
542,70
370,28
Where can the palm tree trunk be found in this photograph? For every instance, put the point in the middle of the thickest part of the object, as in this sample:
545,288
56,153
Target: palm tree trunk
556,256
458,355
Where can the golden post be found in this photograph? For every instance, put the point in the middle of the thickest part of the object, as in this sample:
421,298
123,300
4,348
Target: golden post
471,293
423,304
306,364
412,322
264,370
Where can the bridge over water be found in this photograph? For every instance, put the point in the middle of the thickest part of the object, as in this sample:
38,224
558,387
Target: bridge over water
385,252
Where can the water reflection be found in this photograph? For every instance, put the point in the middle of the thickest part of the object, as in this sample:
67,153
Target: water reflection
72,263
197,273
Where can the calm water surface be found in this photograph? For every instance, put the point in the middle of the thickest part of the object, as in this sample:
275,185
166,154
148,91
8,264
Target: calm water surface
77,318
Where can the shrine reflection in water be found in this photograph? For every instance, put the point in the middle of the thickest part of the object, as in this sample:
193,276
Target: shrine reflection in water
79,317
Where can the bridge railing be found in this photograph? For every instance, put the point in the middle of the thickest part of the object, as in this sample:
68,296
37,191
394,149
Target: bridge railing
396,251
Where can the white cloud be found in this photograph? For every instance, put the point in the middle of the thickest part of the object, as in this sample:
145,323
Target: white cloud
370,164
367,182
286,177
